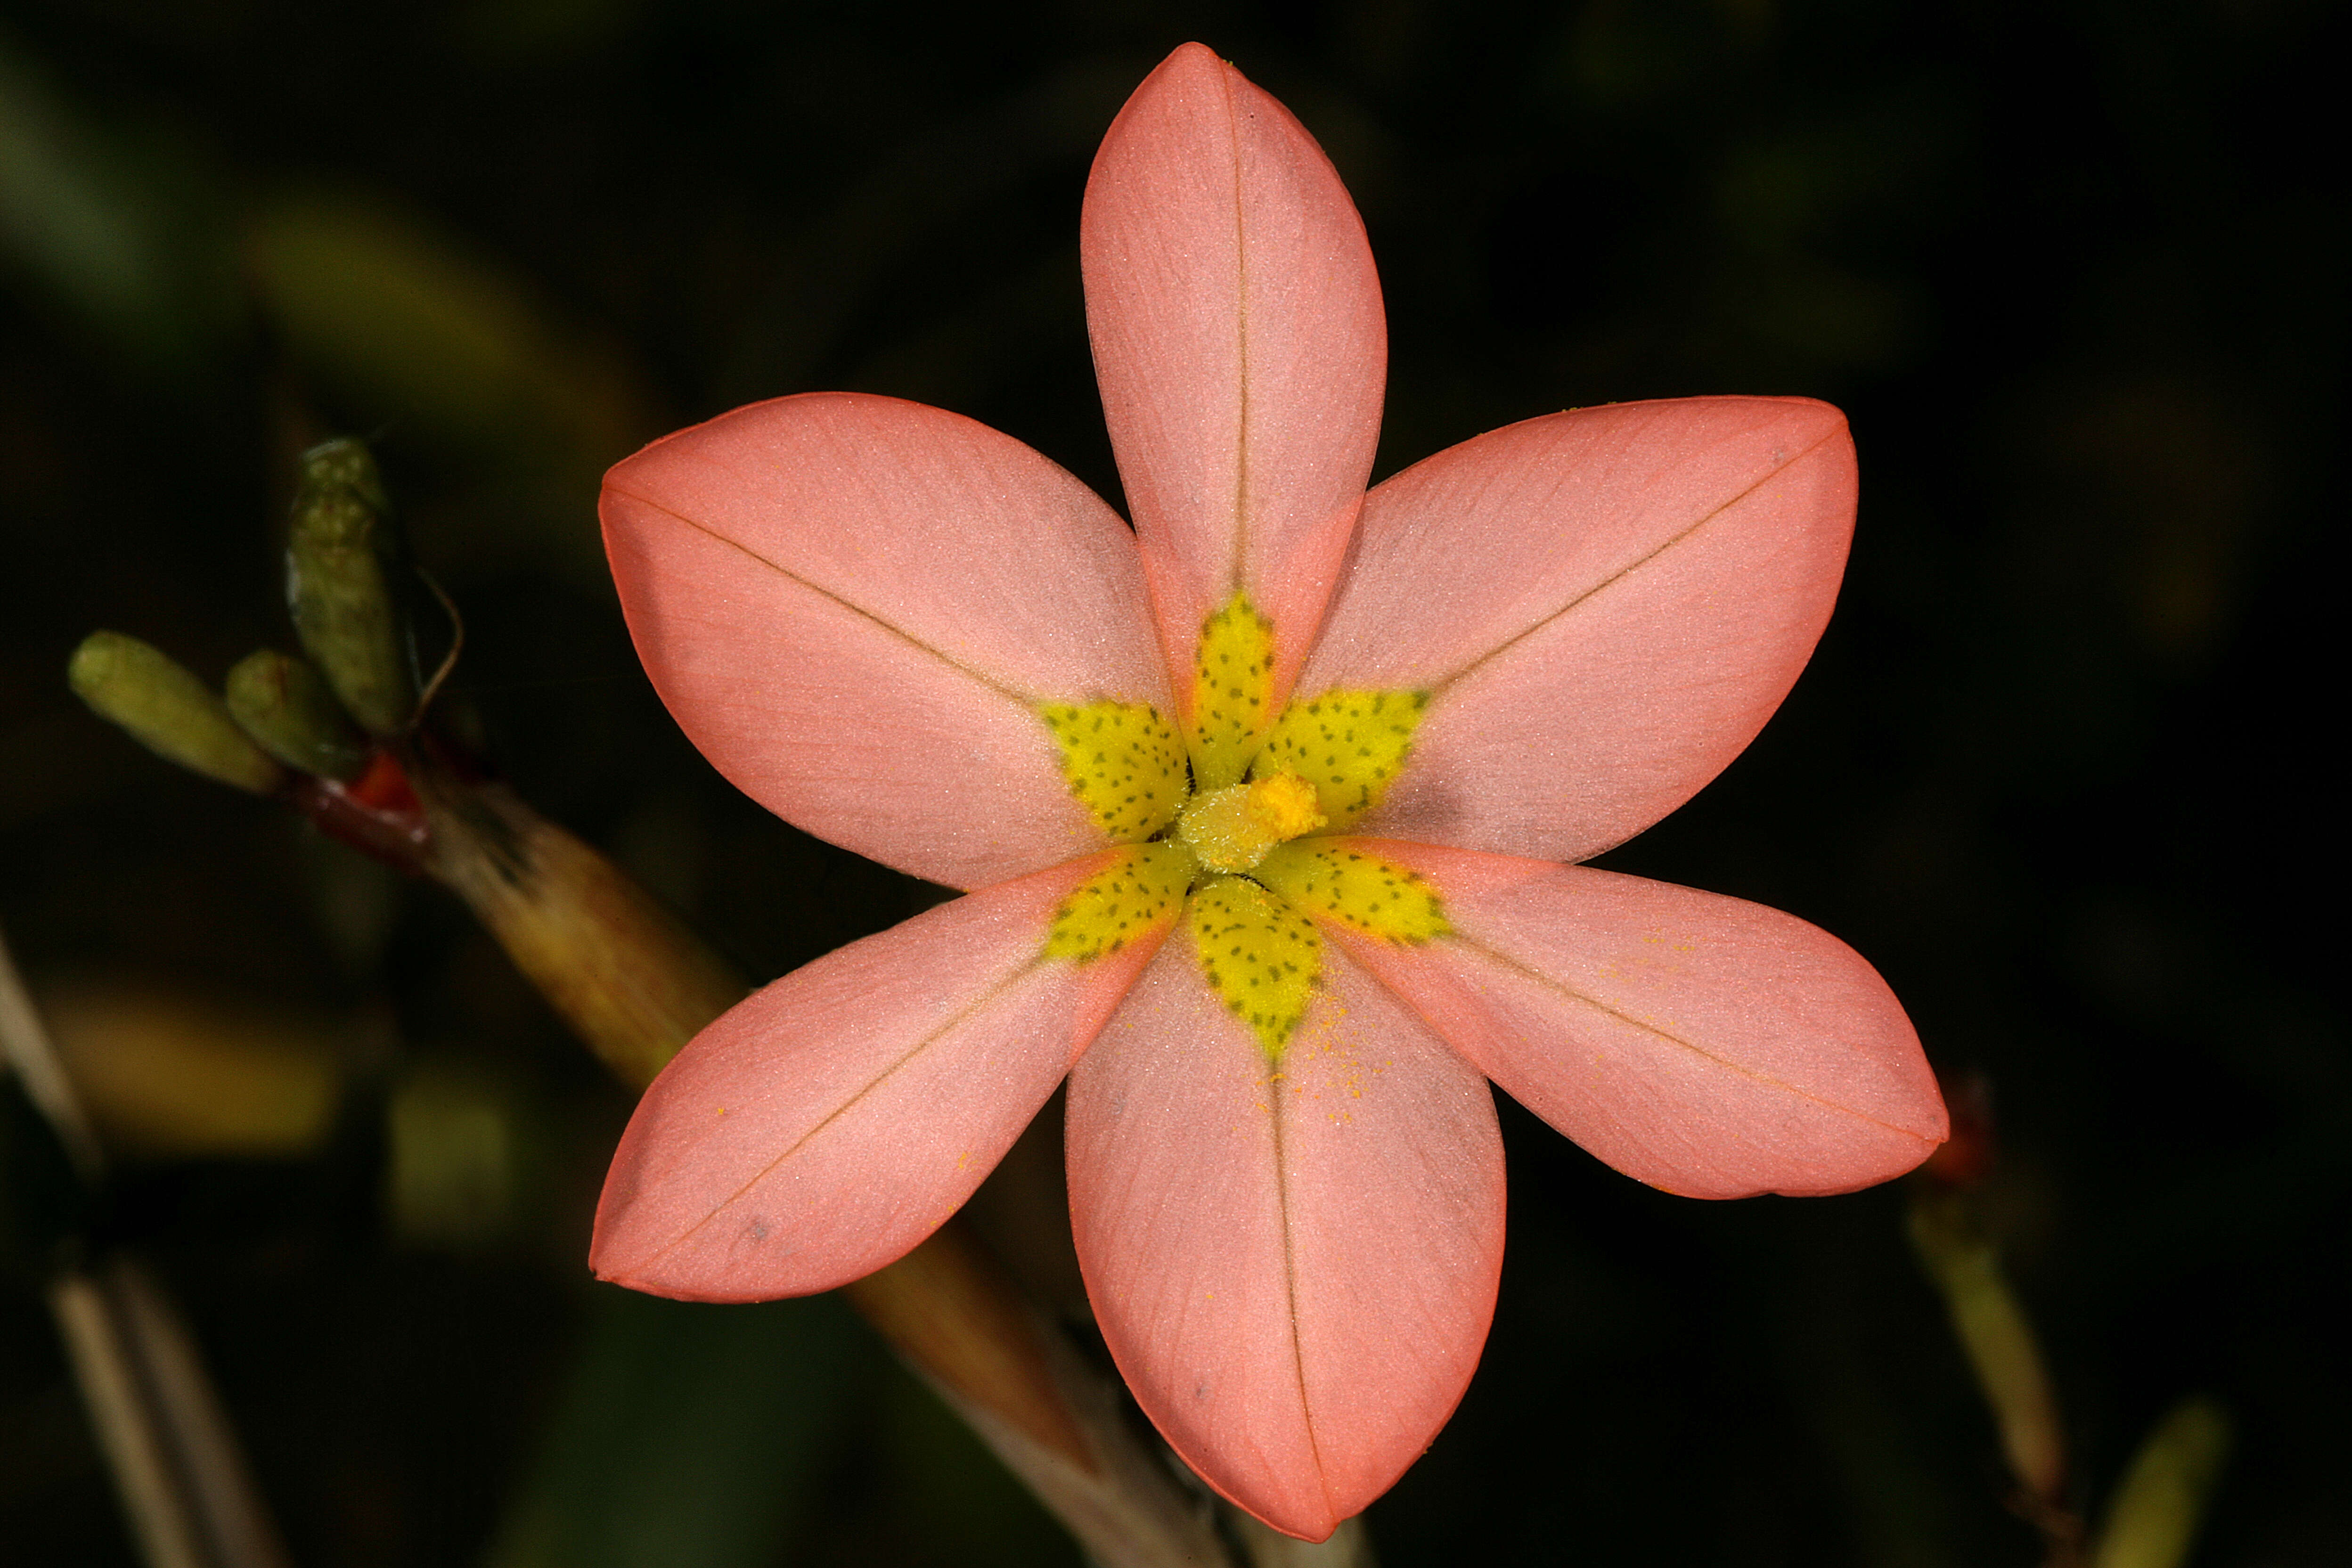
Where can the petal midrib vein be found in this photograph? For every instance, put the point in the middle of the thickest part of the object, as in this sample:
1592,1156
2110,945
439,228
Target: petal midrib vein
1242,351
1438,687
1290,1284
1026,699
948,1027
1348,940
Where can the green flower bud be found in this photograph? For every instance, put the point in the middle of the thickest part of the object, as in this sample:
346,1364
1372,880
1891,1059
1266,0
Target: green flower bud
283,702
346,583
168,710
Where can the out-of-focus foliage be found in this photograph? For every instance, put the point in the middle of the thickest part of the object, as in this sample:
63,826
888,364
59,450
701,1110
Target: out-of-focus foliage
688,1434
167,1075
2153,1521
2073,272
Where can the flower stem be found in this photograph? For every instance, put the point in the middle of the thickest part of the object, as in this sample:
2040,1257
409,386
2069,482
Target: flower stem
636,985
2006,1356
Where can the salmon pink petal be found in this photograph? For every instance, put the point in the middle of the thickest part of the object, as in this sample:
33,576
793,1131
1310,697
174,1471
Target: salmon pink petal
1605,606
1295,1271
854,605
1241,346
1704,1044
826,1125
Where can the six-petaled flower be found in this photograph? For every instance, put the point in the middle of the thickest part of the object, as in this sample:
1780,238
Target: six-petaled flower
1269,808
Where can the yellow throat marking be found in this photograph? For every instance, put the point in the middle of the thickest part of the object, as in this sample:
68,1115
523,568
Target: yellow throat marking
1138,897
1261,957
1333,880
1123,762
1348,744
1233,692
1236,842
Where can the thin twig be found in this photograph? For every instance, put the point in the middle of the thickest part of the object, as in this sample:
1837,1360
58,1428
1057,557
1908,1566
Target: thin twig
24,1046
457,645
176,1462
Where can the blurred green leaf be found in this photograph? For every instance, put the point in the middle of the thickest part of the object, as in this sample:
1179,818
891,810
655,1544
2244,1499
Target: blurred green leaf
407,316
116,227
413,330
947,1491
2153,1521
692,1437
457,1160
172,1073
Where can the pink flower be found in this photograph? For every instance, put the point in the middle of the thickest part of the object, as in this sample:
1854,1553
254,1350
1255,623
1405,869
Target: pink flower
1266,806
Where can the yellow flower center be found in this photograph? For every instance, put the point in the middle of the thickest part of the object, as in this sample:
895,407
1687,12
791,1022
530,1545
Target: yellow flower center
1224,820
1231,829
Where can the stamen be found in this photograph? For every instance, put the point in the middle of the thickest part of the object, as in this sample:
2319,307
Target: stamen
1231,829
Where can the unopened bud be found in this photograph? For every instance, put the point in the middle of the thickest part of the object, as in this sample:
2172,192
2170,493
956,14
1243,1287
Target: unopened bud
2153,1520
166,708
346,581
1997,1338
283,702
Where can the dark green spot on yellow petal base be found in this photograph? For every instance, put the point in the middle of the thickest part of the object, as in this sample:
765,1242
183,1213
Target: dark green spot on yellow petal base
1348,744
1124,763
1138,897
1332,880
1233,692
1261,956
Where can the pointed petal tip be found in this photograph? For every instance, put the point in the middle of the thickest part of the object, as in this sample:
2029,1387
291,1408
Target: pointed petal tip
1195,56
825,1125
1270,1501
1902,1154
1807,420
1315,1526
1606,605
1188,68
621,1253
1701,1044
647,1278
1244,453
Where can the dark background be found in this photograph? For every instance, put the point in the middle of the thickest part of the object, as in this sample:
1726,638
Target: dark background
2056,769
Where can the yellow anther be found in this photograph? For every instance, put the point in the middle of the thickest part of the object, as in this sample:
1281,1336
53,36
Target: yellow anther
1231,829
1348,744
1285,805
